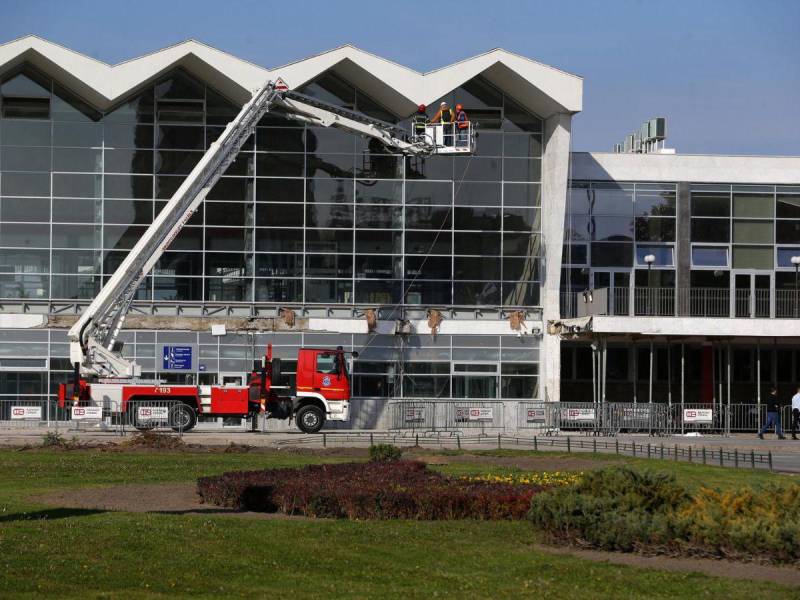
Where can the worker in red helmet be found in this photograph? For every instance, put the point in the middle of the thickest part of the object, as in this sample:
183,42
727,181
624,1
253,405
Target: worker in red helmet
462,124
419,122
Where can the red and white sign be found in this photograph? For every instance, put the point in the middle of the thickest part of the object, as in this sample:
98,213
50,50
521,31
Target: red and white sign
698,415
475,414
536,415
84,413
26,412
280,85
577,414
152,413
415,414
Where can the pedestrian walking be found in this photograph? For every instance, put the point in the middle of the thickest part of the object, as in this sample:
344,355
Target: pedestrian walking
795,413
773,415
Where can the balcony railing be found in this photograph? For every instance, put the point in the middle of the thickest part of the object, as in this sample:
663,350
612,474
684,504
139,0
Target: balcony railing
683,302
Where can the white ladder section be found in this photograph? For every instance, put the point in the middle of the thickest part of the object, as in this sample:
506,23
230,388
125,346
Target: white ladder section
93,337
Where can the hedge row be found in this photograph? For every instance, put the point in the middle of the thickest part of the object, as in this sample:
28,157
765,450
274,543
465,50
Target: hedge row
620,509
376,490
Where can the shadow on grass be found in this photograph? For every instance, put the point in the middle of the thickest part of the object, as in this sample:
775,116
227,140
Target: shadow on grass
50,514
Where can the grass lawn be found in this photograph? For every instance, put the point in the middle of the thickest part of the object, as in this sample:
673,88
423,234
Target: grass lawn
91,554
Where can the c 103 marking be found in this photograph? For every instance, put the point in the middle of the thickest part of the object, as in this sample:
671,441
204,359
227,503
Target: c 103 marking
163,390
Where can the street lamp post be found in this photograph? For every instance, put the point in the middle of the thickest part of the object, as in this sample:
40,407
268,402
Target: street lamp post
649,260
796,263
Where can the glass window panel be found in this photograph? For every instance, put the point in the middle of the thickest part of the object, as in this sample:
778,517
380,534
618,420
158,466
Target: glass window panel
330,191
219,109
277,164
482,169
522,145
229,264
575,254
430,167
177,288
179,263
25,184
785,255
606,254
24,261
379,217
128,161
238,189
486,267
760,206
432,242
78,160
431,267
612,228
76,210
753,232
375,164
480,293
518,119
244,164
181,86
189,238
280,190
711,204
120,237
80,135
580,199
752,257
520,244
128,186
428,292
229,213
76,262
379,242
521,219
128,135
180,137
26,84
329,165
329,140
26,108
329,265
279,290
23,286
273,139
179,111
521,269
656,203
227,289
519,387
67,107
711,230
128,211
176,163
788,206
663,255
378,267
329,215
25,133
787,232
76,236
521,194
429,193
376,291
279,265
379,192
21,158
428,217
476,93
279,215
656,229
478,218
224,239
329,290
477,194
279,240
611,199
488,143
24,209
75,287
77,186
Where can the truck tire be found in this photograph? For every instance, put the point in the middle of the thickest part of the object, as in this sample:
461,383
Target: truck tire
310,418
182,418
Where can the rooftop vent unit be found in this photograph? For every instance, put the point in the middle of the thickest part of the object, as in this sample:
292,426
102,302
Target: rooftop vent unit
649,139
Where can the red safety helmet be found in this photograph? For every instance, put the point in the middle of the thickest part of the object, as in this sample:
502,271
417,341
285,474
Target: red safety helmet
421,108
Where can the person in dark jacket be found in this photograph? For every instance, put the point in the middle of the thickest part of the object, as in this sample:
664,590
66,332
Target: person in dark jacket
773,415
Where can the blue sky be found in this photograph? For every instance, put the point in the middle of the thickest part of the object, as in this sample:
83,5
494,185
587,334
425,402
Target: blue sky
725,73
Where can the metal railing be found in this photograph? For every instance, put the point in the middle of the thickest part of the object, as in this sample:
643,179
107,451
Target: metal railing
684,302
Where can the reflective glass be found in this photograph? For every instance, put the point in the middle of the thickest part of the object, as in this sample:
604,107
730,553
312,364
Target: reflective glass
24,209
663,255
709,256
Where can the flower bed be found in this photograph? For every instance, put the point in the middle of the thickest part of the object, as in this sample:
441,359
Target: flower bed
376,490
620,509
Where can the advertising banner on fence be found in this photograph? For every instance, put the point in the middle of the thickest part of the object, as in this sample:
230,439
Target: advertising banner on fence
84,413
152,413
535,415
698,415
577,414
474,414
414,414
638,414
26,412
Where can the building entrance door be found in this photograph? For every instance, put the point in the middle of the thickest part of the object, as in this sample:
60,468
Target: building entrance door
752,294
618,284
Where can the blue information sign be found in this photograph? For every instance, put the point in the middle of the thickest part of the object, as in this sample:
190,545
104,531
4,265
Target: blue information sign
178,358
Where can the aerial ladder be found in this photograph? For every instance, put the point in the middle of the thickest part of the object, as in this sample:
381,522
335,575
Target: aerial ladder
95,351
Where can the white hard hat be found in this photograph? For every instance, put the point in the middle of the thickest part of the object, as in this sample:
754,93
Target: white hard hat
443,104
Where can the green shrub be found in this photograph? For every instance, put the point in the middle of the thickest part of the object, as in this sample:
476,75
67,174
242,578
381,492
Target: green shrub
384,453
53,439
620,509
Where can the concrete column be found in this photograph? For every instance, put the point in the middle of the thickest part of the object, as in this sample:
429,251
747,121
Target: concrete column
555,175
683,258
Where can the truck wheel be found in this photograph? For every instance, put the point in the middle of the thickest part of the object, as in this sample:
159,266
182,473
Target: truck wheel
310,419
182,417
